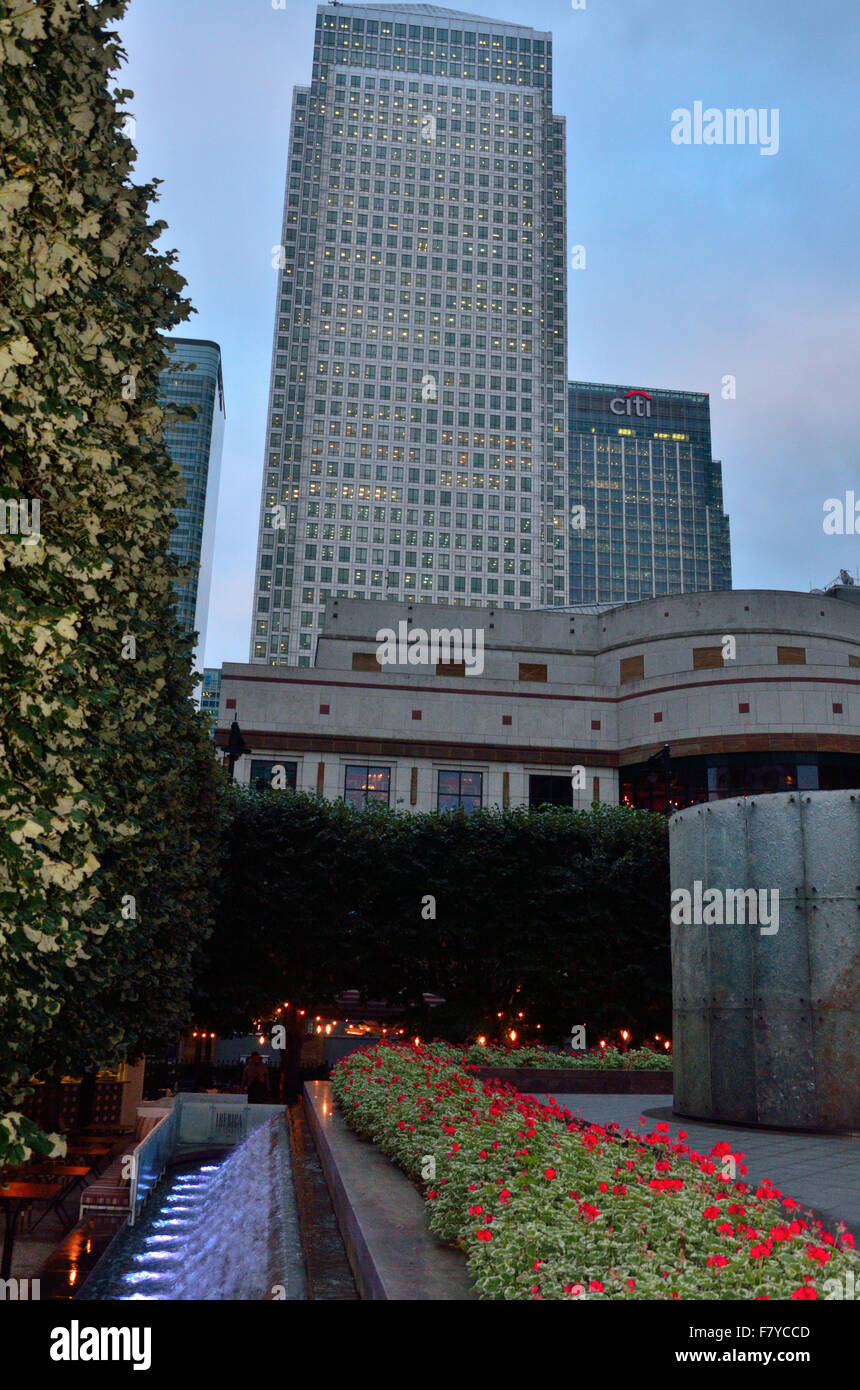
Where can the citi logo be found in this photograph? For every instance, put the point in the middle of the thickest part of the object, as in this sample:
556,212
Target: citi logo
632,403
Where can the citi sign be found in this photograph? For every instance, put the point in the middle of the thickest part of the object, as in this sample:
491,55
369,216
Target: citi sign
631,403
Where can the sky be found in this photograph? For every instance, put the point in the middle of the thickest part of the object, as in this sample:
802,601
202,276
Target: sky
701,261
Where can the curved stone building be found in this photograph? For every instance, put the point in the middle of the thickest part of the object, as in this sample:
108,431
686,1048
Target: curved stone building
753,691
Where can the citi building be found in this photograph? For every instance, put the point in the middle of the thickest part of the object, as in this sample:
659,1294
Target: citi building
646,496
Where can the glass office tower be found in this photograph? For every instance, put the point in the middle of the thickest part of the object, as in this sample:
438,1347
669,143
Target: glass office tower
210,695
196,446
417,424
646,497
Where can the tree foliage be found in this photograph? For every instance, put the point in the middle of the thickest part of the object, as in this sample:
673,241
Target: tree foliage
109,795
560,914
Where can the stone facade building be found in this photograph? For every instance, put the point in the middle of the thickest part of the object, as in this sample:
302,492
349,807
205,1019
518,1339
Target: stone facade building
753,691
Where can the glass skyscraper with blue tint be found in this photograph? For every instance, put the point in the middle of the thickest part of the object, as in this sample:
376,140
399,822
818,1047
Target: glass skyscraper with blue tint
195,445
417,427
210,695
646,496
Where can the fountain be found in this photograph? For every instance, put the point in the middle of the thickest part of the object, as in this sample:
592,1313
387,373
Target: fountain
219,1230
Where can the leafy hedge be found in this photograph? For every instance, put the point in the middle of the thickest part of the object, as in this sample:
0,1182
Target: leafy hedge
598,1059
559,915
549,1207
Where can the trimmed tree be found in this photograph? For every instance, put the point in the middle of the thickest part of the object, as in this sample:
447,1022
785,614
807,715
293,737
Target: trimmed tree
109,795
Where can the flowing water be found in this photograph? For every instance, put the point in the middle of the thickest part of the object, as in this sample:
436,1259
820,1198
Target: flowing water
215,1230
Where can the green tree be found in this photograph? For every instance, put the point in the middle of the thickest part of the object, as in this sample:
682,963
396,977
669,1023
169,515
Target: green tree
109,796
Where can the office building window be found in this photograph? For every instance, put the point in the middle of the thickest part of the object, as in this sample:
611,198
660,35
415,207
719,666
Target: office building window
274,774
459,789
365,784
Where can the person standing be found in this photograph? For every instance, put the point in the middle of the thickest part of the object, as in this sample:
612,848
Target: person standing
255,1080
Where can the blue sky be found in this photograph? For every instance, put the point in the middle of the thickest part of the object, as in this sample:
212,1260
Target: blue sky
701,261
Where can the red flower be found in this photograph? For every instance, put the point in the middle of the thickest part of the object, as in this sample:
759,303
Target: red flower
595,1286
717,1261
475,1211
710,1213
484,1234
549,1174
806,1292
817,1252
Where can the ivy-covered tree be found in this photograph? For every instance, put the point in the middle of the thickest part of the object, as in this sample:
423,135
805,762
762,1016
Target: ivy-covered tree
109,796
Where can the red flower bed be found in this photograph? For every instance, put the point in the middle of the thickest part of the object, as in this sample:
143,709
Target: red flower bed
547,1206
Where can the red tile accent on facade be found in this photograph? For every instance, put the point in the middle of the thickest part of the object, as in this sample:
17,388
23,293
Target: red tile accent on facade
837,709
792,679
231,704
658,716
595,723
506,719
325,709
416,714
743,707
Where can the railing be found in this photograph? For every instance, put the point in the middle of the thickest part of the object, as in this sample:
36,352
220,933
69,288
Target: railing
150,1158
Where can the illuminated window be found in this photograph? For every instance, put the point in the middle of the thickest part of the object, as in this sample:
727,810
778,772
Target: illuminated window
365,784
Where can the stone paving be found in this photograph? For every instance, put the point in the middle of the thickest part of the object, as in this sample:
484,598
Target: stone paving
821,1171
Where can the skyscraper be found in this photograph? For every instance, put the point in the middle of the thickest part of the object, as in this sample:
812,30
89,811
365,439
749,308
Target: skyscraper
646,497
417,423
210,694
195,445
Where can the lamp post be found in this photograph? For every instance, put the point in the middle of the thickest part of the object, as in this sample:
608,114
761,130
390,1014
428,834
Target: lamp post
663,760
236,746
